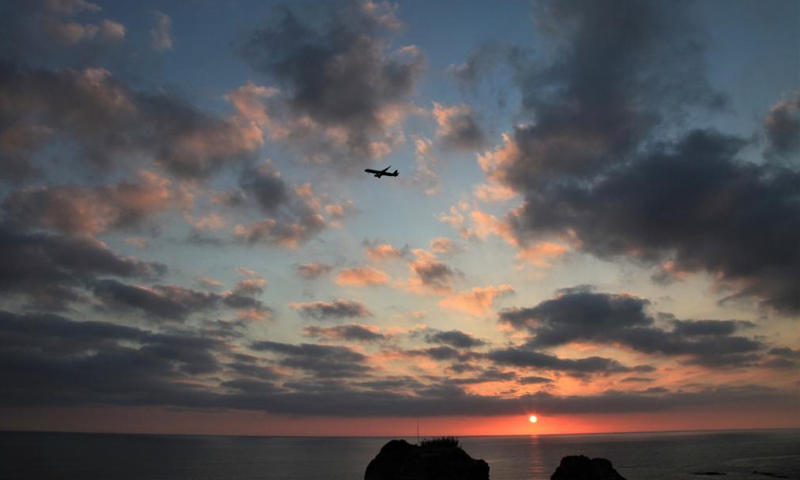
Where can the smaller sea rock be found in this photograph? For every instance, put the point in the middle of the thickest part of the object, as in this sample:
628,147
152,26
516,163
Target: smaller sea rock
580,467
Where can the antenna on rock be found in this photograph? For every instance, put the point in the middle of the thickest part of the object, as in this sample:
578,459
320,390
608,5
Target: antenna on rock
417,429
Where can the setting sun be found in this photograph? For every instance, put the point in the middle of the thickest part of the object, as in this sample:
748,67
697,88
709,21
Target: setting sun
533,419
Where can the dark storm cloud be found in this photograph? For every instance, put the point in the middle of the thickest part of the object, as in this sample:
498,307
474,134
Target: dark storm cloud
334,64
613,69
48,268
266,186
454,338
324,361
253,370
485,376
592,163
51,360
528,358
108,123
579,315
47,360
533,380
441,353
169,302
350,333
336,309
782,357
693,203
783,128
636,380
166,302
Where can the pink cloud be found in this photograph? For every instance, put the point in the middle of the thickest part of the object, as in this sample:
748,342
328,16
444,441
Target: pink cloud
362,276
477,301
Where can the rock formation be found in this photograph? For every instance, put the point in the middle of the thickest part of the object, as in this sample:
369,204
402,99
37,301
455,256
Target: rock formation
580,467
432,460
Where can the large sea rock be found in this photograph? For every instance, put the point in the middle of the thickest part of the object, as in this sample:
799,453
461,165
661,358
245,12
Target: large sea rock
400,460
579,467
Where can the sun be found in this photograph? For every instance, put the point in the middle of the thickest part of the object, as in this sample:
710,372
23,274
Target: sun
533,419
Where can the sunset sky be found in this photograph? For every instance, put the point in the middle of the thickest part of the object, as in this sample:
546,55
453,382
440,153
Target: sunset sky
596,220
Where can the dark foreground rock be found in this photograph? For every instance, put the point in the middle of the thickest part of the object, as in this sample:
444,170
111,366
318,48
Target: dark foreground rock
580,467
399,460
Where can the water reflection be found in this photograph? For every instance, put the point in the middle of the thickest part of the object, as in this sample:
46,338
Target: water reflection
536,464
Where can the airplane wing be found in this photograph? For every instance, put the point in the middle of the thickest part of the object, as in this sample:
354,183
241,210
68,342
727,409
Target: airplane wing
386,169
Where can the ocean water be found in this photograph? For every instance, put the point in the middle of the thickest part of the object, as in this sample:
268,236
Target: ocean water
639,456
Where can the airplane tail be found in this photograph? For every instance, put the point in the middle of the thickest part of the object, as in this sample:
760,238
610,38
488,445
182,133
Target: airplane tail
395,173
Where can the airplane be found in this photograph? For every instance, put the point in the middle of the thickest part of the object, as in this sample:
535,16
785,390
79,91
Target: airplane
381,173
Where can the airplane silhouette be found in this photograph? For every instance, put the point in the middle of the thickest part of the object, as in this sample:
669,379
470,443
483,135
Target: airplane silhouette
381,173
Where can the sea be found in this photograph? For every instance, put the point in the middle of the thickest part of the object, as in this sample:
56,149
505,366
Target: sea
752,454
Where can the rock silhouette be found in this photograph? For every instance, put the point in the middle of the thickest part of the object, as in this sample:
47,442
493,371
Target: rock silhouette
580,467
432,460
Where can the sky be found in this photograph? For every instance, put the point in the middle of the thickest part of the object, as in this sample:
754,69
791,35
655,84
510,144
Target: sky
596,219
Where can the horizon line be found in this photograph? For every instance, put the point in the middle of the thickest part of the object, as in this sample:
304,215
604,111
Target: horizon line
2,431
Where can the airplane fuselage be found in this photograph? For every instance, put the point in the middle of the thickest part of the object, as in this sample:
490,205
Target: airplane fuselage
382,173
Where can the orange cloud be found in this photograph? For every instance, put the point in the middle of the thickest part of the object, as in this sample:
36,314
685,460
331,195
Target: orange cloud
361,277
443,245
93,211
476,301
542,254
385,251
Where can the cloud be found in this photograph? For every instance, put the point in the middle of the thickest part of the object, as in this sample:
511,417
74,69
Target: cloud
250,287
47,269
160,35
294,213
533,380
453,338
323,361
527,358
164,302
351,333
43,29
444,246
783,128
361,276
336,309
48,360
425,175
158,128
96,210
729,218
313,270
430,275
440,353
580,315
379,252
458,128
172,302
342,89
592,166
90,362
477,301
